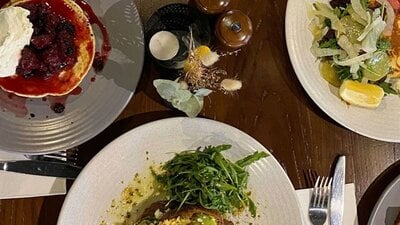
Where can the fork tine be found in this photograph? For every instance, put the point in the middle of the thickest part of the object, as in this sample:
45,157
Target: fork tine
69,155
327,193
314,195
319,200
323,191
320,189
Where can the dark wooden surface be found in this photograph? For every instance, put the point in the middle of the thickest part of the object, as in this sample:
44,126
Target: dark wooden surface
272,107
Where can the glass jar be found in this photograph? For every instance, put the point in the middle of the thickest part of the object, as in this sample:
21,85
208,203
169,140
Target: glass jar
212,6
234,29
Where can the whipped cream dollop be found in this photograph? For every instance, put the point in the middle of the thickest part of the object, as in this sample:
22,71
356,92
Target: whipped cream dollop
15,33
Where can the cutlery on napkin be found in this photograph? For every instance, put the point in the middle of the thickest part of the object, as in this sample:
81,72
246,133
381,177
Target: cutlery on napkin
16,185
350,205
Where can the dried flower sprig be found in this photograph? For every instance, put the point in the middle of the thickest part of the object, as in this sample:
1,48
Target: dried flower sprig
199,71
199,79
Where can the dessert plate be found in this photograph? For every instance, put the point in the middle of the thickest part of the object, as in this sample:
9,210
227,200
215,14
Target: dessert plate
111,171
32,126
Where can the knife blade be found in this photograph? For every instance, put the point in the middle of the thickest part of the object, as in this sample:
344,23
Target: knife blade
337,192
41,168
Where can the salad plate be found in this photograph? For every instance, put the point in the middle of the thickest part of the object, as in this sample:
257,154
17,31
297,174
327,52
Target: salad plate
32,125
381,123
106,176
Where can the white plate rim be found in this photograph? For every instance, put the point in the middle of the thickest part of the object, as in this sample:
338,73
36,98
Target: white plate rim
86,169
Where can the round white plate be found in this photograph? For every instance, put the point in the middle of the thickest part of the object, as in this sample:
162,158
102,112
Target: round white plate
382,213
101,180
30,126
382,123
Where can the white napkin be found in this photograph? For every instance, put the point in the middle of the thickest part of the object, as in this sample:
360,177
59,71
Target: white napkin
350,205
16,185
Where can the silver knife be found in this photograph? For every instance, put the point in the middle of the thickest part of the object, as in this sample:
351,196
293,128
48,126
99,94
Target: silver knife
337,192
41,168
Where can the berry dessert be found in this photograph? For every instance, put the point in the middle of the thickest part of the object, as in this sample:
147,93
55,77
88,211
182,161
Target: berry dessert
60,51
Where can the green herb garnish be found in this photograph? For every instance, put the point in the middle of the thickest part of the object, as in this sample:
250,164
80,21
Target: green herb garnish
331,43
327,23
383,44
343,72
341,12
387,88
207,178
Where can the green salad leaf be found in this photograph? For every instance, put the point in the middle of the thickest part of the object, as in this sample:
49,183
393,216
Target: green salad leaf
383,44
343,72
341,12
387,88
207,178
331,43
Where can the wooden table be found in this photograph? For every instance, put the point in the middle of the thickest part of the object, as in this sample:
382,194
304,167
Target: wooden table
272,107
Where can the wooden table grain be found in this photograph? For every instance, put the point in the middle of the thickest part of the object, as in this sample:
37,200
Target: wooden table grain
272,107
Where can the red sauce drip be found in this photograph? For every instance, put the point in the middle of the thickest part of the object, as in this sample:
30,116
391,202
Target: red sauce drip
76,91
38,85
92,79
14,104
57,101
101,57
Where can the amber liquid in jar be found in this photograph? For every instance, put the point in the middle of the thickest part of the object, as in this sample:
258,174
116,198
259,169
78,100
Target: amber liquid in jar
212,6
234,29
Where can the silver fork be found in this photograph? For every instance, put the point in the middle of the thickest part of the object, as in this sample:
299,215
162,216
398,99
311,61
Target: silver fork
318,209
69,156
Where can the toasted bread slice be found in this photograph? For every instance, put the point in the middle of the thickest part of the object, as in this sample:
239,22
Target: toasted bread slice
187,212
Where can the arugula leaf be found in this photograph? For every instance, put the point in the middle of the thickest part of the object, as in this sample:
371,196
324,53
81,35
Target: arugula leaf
251,158
341,12
383,44
343,72
328,23
205,177
331,43
387,88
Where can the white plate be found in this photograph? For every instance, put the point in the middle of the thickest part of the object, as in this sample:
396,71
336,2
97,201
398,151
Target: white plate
381,124
382,213
30,126
100,182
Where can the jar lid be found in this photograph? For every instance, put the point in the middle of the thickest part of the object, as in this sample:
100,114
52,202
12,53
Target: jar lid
212,6
234,29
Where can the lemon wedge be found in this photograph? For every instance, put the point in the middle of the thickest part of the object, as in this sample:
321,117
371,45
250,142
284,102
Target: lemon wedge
363,95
